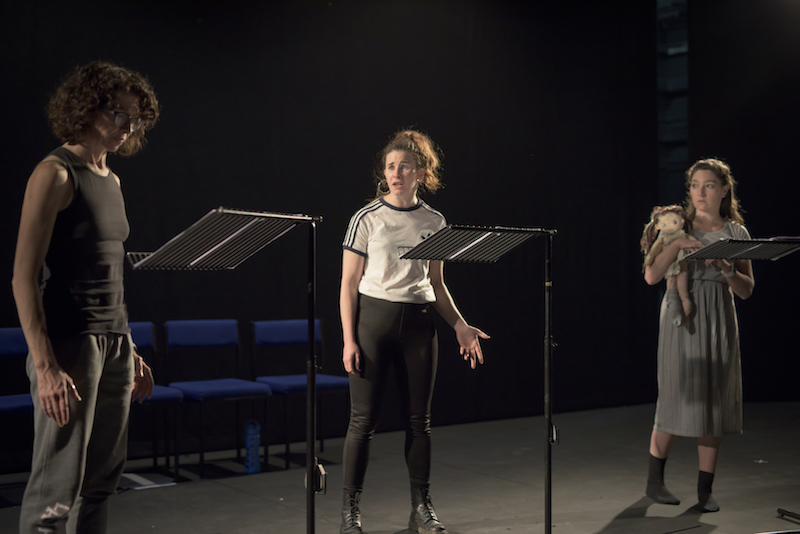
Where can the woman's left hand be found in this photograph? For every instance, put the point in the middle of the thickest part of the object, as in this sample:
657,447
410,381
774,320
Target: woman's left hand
722,265
142,380
469,343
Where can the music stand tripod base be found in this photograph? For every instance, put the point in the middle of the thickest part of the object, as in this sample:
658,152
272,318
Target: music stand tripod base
222,240
486,244
773,249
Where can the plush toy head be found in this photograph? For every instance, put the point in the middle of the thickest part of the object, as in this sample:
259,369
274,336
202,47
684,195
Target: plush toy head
670,222
666,219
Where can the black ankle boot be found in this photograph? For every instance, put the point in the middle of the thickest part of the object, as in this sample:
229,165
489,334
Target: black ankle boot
351,514
705,502
423,516
656,489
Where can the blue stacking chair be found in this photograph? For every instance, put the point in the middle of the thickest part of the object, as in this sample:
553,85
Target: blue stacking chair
204,334
291,332
13,346
142,333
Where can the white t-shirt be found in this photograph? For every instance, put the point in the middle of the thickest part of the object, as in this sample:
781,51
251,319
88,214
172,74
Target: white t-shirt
382,233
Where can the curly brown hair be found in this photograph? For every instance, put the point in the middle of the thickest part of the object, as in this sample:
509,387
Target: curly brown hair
93,87
730,208
427,155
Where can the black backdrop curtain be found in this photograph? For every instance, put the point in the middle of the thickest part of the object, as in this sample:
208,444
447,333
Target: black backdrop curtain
545,112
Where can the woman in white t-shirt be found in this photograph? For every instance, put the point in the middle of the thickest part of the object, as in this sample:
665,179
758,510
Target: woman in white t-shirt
385,306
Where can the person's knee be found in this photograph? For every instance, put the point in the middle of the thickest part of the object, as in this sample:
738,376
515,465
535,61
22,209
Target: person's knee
362,425
713,442
420,425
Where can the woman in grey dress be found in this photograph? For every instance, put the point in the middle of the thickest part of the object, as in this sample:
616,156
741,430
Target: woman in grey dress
699,364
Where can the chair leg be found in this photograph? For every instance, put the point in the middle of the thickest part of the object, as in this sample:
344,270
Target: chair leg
286,427
202,443
238,432
166,434
154,432
264,435
177,449
318,411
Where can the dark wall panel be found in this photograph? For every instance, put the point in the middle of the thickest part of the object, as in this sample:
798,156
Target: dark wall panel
744,77
545,112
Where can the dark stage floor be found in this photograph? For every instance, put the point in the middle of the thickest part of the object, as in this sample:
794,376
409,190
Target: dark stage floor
489,478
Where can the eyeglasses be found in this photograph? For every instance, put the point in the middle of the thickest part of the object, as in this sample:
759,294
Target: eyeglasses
123,119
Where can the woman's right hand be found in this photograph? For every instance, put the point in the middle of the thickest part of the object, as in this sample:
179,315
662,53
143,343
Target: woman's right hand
55,387
688,243
351,358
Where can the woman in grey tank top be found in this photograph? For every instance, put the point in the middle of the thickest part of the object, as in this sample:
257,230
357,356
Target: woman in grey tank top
81,363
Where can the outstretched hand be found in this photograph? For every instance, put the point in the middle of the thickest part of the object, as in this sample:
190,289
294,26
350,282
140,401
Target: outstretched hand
469,343
142,380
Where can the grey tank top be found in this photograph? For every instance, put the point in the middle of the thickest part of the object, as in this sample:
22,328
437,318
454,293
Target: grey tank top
82,280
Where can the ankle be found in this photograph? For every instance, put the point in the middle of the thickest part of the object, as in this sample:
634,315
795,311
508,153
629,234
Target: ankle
351,513
704,482
423,516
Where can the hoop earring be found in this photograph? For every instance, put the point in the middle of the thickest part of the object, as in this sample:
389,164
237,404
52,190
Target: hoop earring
380,187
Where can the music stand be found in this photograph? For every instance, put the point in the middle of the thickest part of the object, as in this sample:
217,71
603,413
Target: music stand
486,244
222,240
773,249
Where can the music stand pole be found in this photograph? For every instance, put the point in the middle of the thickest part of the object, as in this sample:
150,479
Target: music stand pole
223,239
311,386
773,249
550,429
486,244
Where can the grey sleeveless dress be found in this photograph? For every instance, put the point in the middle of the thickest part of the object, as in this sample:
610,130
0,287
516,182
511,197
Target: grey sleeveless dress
699,364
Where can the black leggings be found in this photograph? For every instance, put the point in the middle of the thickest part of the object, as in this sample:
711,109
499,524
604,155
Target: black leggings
403,336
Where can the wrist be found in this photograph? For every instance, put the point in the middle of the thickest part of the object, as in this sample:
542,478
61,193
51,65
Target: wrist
730,273
44,363
460,324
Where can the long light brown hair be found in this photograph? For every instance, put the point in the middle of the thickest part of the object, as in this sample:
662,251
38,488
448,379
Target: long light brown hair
730,209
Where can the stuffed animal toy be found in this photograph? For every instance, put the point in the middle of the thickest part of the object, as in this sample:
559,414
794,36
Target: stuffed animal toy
670,223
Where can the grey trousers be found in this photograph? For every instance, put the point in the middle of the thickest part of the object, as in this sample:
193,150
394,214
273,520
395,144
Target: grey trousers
76,468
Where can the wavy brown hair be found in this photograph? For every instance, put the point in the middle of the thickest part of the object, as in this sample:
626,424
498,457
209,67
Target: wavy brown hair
730,208
427,155
94,87
650,232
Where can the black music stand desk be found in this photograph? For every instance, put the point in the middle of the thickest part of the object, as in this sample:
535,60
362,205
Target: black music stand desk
773,249
222,240
486,244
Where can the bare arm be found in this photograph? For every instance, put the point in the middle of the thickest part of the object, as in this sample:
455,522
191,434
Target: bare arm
49,191
467,336
654,272
352,271
742,282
